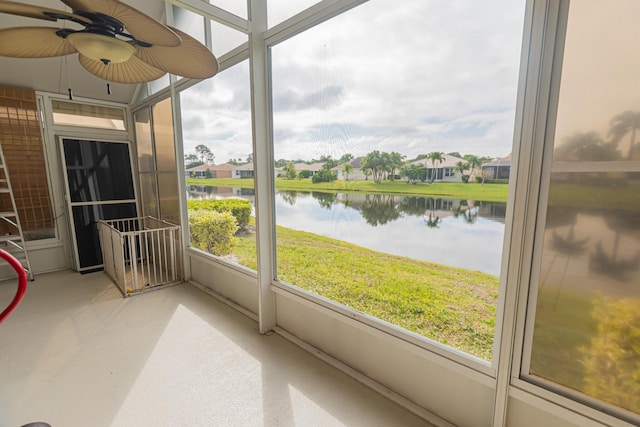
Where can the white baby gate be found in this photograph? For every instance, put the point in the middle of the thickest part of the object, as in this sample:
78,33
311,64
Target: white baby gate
141,254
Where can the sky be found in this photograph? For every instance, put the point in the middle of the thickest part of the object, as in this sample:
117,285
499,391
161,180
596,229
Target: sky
431,75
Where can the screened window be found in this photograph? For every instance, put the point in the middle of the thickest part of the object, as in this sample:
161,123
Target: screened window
218,147
361,117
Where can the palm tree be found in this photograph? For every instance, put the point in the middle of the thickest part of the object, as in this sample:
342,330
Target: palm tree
623,123
395,161
435,157
367,172
483,161
347,169
378,163
462,167
473,161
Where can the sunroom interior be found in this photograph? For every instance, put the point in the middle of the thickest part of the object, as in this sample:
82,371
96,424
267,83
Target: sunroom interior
531,318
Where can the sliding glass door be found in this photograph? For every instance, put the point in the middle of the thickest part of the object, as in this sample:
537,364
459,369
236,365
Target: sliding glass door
583,337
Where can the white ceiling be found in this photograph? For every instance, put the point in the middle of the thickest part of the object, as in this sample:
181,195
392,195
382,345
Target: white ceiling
50,74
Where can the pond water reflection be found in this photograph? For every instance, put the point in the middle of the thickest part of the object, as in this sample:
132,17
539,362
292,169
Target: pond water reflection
459,233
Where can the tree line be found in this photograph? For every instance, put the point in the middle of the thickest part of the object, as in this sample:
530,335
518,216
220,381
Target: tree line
380,165
204,156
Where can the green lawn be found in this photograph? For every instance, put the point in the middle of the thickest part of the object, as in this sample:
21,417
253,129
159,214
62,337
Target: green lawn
453,190
454,306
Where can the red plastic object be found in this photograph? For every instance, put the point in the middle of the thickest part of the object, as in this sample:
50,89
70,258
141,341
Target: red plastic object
22,283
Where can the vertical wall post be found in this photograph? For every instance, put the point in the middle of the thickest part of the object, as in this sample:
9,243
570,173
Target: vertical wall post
262,162
539,44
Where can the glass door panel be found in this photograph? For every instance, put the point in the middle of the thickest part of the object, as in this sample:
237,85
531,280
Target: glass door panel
583,337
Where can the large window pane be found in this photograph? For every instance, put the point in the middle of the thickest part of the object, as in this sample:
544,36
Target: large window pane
189,22
165,156
146,164
585,337
157,166
163,137
382,122
216,129
223,38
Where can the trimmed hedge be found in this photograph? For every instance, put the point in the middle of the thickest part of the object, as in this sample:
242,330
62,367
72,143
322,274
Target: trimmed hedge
497,181
239,208
212,231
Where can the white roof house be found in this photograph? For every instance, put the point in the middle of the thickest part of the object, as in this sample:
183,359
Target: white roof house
445,170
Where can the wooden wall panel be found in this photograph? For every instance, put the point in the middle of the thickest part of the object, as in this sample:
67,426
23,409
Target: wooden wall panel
21,140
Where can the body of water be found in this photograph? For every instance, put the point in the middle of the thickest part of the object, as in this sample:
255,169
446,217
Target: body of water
458,233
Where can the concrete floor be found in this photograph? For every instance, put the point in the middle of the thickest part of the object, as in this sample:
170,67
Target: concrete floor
76,353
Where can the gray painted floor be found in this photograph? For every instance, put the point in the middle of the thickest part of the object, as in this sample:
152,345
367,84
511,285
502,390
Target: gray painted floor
76,353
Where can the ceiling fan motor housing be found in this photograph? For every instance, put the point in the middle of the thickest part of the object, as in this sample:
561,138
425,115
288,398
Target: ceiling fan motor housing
116,42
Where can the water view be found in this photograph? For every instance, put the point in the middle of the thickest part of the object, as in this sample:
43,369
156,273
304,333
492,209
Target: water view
460,233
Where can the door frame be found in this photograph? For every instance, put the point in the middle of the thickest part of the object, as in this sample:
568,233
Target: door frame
69,205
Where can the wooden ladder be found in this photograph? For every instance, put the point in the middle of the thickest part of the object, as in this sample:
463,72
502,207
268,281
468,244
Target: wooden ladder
13,240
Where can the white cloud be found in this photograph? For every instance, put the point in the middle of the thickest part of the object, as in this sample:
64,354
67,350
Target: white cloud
413,77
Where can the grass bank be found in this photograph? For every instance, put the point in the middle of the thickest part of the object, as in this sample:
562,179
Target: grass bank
453,190
451,305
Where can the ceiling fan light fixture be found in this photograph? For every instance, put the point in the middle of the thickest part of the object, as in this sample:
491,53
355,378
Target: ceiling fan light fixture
101,48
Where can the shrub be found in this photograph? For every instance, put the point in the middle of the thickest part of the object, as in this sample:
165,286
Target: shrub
323,175
305,174
497,181
239,208
212,231
612,362
290,171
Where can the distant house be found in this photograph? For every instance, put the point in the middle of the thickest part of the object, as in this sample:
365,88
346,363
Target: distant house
243,171
445,171
198,171
217,171
356,172
498,169
313,168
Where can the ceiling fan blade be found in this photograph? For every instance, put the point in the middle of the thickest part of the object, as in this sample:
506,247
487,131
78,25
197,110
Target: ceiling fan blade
33,42
131,71
138,24
37,12
191,59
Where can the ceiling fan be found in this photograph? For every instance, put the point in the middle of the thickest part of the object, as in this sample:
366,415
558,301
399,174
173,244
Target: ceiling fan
117,42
